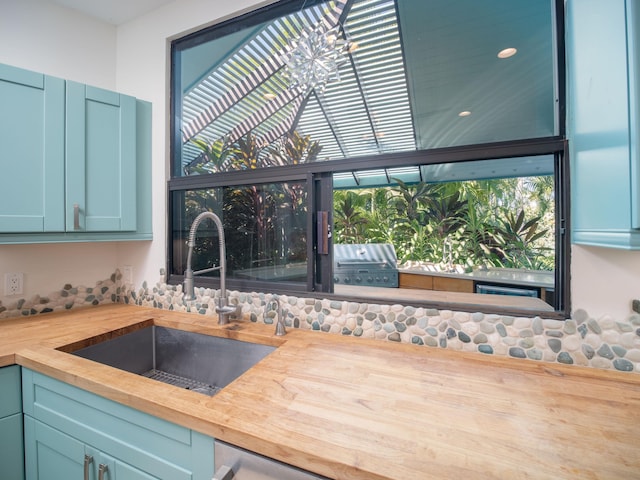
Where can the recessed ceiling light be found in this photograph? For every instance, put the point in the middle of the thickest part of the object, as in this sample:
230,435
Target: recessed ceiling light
507,52
464,113
269,96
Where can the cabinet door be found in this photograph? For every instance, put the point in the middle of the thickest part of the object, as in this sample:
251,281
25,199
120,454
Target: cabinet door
50,454
31,151
141,446
11,448
11,440
101,160
115,469
603,81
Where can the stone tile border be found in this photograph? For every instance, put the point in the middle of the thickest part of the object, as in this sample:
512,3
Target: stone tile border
68,297
581,340
602,343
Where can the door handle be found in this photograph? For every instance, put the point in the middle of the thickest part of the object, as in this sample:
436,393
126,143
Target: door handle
76,216
323,229
102,469
88,460
223,473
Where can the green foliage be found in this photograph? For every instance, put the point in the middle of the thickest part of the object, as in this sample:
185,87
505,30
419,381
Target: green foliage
350,216
249,153
214,157
468,223
294,149
514,240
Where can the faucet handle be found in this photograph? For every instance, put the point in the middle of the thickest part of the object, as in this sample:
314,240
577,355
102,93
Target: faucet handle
280,325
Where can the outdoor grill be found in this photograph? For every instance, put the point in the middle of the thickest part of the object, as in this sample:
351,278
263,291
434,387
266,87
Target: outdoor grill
367,264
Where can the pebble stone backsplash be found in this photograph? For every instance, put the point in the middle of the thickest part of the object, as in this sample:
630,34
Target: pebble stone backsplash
603,343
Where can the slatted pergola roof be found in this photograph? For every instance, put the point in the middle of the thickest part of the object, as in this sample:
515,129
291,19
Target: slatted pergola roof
366,111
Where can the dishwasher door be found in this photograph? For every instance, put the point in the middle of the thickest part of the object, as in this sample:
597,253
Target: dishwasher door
233,463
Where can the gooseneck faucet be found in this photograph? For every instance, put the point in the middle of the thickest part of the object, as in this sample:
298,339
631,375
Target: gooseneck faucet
223,309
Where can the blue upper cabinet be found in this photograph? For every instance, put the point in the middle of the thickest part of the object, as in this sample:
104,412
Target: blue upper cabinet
31,151
603,73
75,161
101,160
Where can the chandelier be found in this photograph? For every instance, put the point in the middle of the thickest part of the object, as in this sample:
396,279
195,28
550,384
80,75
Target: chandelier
313,59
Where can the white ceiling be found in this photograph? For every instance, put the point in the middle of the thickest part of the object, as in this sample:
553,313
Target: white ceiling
115,12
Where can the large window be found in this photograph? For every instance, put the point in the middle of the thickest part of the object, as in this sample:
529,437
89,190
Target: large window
265,229
431,129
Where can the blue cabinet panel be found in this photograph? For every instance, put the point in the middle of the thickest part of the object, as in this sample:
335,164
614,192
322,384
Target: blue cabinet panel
32,152
603,61
125,439
10,391
101,160
50,453
11,448
11,435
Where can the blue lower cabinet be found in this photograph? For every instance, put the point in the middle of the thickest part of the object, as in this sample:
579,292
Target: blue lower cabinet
52,454
11,448
11,440
69,431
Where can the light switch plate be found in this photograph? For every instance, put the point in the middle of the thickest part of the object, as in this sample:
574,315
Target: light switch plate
127,274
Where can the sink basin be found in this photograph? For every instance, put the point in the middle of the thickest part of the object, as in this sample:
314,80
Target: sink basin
194,361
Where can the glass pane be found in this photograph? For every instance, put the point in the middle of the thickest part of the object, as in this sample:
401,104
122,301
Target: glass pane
264,225
396,77
489,233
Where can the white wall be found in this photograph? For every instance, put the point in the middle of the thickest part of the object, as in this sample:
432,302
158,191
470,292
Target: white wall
39,35
134,59
604,281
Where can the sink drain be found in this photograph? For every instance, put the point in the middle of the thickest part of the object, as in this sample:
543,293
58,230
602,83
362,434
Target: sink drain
181,382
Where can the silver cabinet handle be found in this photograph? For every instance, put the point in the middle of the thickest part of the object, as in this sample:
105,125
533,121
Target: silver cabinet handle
102,469
88,460
76,216
223,473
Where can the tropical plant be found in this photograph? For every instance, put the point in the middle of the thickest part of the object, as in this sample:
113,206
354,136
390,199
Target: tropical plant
409,199
294,149
246,152
468,223
514,239
215,156
350,217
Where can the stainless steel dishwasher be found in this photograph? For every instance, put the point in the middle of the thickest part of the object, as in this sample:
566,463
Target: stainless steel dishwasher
233,463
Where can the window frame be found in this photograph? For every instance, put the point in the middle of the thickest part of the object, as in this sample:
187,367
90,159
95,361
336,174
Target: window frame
318,177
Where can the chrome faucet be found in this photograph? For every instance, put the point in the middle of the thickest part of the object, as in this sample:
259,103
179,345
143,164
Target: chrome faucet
280,326
223,309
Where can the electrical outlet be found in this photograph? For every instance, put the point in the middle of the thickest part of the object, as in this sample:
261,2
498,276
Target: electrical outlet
13,283
127,274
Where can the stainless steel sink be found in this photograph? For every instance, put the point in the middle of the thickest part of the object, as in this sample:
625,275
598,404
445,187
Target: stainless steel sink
194,361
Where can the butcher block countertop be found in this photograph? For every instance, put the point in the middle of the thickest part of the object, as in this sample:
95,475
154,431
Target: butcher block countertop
351,408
